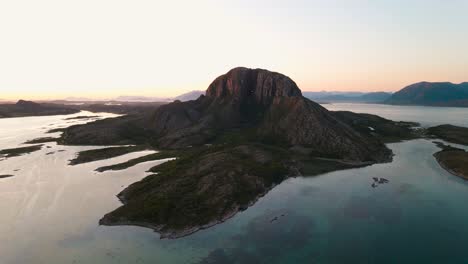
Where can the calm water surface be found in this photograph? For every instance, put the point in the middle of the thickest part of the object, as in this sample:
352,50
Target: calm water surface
425,115
49,211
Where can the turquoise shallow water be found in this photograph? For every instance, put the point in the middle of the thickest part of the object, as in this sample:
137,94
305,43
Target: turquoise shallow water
419,216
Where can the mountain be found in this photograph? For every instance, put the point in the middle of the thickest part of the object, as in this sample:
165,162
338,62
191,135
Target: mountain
29,108
251,130
373,97
432,94
192,95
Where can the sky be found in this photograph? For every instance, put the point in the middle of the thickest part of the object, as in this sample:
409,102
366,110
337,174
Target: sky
53,49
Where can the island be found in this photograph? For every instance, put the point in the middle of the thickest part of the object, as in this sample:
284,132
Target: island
251,130
452,159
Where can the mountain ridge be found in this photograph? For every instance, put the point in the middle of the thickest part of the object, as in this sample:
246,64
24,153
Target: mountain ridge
432,94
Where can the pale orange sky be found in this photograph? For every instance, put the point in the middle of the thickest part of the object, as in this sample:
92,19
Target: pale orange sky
53,49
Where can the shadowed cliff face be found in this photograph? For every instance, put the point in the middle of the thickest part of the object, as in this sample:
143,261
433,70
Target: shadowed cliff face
249,86
236,98
270,106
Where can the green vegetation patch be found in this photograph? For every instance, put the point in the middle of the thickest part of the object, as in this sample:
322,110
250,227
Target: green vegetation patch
104,153
202,186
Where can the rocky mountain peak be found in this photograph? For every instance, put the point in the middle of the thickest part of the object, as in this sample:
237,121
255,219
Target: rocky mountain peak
244,84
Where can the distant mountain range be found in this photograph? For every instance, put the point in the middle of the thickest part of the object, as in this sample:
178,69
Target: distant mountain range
432,94
355,97
423,93
192,95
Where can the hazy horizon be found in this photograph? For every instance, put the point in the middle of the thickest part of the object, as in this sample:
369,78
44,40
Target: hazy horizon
103,49
108,98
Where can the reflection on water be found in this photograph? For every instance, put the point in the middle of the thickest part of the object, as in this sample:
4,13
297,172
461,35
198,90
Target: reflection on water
49,213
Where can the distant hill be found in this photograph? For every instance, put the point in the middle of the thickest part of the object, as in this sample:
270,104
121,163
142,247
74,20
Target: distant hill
432,94
192,95
358,97
28,108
